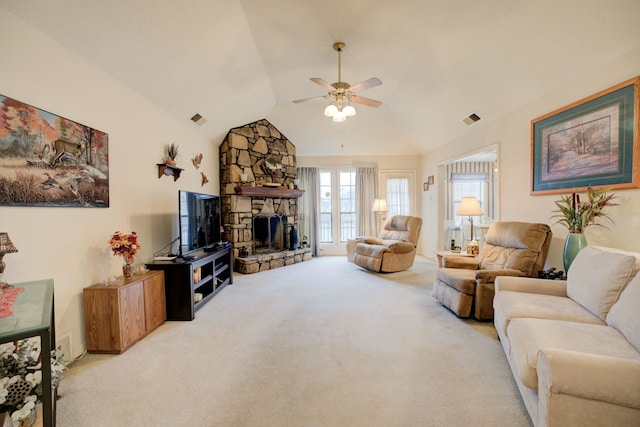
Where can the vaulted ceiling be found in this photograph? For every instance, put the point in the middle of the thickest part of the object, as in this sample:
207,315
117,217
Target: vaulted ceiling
237,61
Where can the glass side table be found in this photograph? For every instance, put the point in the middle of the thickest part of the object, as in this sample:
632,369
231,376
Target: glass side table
33,316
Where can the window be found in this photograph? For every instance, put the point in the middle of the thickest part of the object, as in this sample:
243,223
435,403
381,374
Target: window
398,187
337,214
398,196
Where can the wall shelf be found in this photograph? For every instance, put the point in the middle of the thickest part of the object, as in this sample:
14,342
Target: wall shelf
165,169
268,192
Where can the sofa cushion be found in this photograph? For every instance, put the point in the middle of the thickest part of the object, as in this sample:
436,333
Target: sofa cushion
597,277
624,314
528,336
513,305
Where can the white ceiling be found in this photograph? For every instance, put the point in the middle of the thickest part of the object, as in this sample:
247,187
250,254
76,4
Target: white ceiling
237,61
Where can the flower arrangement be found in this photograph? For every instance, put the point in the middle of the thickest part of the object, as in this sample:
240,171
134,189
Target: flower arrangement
21,377
125,245
171,151
577,215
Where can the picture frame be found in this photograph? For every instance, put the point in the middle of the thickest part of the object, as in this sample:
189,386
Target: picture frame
429,182
593,142
49,161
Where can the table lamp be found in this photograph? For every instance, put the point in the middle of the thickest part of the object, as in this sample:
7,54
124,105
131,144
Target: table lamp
469,206
6,247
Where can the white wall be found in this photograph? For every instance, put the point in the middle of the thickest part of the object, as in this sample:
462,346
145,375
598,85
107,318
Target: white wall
70,244
512,132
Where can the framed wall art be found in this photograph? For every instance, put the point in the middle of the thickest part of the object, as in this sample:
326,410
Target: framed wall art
592,142
47,160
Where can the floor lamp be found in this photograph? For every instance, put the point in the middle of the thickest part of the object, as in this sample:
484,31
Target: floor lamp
469,206
380,207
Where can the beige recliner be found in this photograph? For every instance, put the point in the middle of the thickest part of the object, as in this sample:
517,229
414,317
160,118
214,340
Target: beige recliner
393,250
511,249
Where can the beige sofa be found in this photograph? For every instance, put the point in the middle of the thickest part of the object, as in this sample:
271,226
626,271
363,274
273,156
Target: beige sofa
574,346
393,250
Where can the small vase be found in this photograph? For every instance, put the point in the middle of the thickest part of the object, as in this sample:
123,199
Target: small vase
127,270
575,243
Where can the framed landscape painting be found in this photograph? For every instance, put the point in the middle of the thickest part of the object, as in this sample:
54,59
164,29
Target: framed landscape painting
47,160
592,142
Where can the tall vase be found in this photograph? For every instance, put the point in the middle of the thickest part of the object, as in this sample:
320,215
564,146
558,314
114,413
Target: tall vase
127,269
575,243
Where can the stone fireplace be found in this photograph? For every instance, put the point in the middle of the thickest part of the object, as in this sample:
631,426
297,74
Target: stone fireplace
259,197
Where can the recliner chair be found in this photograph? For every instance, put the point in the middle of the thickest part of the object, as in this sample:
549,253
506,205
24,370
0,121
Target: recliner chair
393,250
511,249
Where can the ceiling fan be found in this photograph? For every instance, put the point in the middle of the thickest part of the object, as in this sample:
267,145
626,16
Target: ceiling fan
342,94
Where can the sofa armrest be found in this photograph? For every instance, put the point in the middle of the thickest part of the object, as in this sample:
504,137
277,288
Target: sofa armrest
370,240
401,247
453,261
588,376
489,276
532,285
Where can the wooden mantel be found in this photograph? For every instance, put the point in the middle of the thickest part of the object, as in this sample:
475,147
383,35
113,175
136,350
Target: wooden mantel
268,192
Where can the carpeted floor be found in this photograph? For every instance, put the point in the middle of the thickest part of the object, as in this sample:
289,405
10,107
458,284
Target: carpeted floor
321,343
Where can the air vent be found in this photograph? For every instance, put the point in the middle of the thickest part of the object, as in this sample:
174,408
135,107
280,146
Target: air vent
198,119
471,119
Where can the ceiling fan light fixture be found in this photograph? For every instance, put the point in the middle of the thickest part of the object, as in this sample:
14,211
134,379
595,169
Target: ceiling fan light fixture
349,111
331,110
339,117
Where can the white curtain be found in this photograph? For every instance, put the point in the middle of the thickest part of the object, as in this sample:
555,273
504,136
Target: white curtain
309,207
366,193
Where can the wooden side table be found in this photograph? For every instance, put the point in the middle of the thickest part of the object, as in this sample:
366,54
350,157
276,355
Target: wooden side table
440,254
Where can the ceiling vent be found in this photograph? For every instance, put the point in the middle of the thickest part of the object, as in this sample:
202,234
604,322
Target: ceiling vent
471,119
198,119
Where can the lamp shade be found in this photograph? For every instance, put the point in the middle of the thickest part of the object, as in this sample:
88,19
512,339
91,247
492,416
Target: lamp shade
469,206
380,205
330,110
349,111
6,245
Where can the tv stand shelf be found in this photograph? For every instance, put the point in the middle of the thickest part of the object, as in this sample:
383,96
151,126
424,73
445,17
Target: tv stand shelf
191,283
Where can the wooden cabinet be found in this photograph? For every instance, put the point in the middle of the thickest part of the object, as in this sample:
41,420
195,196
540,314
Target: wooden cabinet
119,315
189,284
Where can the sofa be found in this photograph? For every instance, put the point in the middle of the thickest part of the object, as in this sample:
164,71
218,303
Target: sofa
573,345
393,250
466,285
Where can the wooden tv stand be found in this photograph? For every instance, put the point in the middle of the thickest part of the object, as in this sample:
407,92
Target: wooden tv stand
191,283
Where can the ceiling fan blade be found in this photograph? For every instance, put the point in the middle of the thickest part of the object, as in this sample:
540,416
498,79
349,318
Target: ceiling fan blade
314,98
320,82
372,82
366,101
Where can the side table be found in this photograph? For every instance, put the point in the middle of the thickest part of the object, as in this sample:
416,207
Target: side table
33,316
440,254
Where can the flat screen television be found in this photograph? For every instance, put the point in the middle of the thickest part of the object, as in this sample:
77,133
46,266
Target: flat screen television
200,220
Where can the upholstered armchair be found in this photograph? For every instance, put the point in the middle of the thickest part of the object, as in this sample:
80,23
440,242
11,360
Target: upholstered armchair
466,285
393,250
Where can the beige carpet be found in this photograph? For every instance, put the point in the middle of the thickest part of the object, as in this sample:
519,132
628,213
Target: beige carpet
321,343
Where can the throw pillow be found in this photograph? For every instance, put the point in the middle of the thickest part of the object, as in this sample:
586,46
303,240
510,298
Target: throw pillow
597,277
624,314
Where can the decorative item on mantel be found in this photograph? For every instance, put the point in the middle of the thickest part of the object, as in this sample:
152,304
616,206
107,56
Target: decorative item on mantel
577,215
21,380
6,247
126,246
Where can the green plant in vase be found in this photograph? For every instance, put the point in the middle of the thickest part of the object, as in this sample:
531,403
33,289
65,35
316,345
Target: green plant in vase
577,215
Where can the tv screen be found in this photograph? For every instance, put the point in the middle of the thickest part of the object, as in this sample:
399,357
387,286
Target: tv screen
199,221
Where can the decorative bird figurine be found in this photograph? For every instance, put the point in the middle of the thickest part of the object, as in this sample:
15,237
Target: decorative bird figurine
196,160
204,178
50,182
